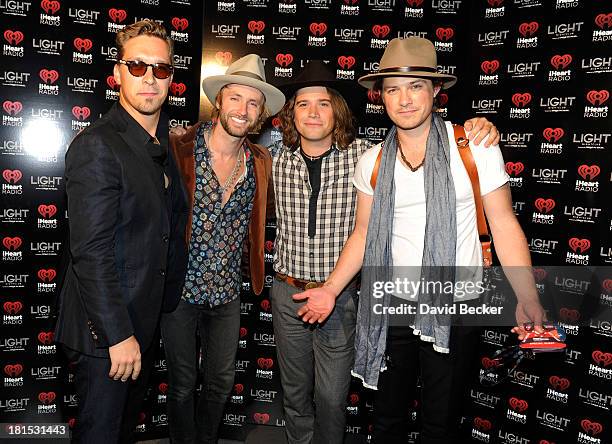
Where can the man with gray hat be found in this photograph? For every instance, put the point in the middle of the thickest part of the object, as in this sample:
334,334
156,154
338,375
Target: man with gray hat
416,207
227,180
312,168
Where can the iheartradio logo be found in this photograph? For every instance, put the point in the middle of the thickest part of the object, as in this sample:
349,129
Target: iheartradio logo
521,99
178,89
265,363
591,427
347,2
261,418
442,99
318,29
346,62
518,405
12,176
163,388
598,97
238,389
489,66
243,332
12,243
269,245
47,211
544,205
569,315
257,26
553,134
223,58
276,123
82,45
13,370
589,172
604,21
381,31
558,383
265,305
13,37
484,425
514,168
46,275
50,6
81,112
48,76
414,3
539,274
284,60
602,358
353,398
180,24
374,97
488,363
45,337
495,3
12,307
112,83
561,61
46,397
117,15
607,285
528,29
579,245
445,34
12,108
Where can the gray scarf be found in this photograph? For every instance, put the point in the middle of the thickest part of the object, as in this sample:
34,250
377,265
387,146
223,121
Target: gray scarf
438,254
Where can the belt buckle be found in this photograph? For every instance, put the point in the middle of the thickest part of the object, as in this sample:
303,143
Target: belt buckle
311,285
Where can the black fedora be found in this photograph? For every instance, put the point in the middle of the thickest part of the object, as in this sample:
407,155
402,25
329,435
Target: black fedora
315,73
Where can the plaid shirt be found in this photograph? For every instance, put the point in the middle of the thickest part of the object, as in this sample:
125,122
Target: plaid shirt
297,255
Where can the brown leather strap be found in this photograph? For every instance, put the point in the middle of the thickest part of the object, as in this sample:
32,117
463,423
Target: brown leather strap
374,176
298,283
468,162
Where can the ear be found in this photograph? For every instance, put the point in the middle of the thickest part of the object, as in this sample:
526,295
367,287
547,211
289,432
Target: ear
116,74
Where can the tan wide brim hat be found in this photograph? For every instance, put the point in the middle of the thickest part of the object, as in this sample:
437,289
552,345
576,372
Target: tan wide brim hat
248,71
410,57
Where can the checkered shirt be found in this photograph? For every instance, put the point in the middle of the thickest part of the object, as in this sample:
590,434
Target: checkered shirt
297,255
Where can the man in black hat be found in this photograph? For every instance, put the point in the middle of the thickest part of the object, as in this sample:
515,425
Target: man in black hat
312,170
417,207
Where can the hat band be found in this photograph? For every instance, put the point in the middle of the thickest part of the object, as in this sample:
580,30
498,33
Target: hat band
247,74
408,69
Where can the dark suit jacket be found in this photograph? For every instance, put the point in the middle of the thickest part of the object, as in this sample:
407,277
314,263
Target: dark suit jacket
127,251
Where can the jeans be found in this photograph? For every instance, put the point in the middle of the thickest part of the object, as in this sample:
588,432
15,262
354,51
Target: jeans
444,378
314,358
218,328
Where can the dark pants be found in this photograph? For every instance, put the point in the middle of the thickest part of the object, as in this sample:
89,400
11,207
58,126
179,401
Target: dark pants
107,409
316,358
218,329
444,378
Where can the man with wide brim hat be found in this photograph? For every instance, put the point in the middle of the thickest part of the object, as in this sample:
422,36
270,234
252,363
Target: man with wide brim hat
227,180
315,208
416,210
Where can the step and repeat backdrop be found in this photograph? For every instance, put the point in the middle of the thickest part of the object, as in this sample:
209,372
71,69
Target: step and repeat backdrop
540,69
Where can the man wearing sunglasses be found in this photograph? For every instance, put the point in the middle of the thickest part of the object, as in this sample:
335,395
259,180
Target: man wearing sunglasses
127,259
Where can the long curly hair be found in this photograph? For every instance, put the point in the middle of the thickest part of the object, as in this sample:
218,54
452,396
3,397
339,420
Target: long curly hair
344,122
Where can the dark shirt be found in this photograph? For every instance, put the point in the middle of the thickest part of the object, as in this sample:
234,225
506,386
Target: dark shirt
314,176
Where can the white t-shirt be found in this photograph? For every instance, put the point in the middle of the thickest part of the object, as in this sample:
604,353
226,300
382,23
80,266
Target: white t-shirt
409,217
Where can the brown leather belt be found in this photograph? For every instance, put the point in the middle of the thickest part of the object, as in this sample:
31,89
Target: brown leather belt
298,283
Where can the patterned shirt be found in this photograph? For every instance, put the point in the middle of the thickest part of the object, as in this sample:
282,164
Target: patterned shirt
297,254
218,232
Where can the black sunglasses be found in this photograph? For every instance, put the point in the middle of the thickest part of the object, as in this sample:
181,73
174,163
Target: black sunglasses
138,68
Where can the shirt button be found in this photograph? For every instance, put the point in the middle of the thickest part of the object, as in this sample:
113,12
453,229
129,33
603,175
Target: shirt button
162,272
165,238
311,254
